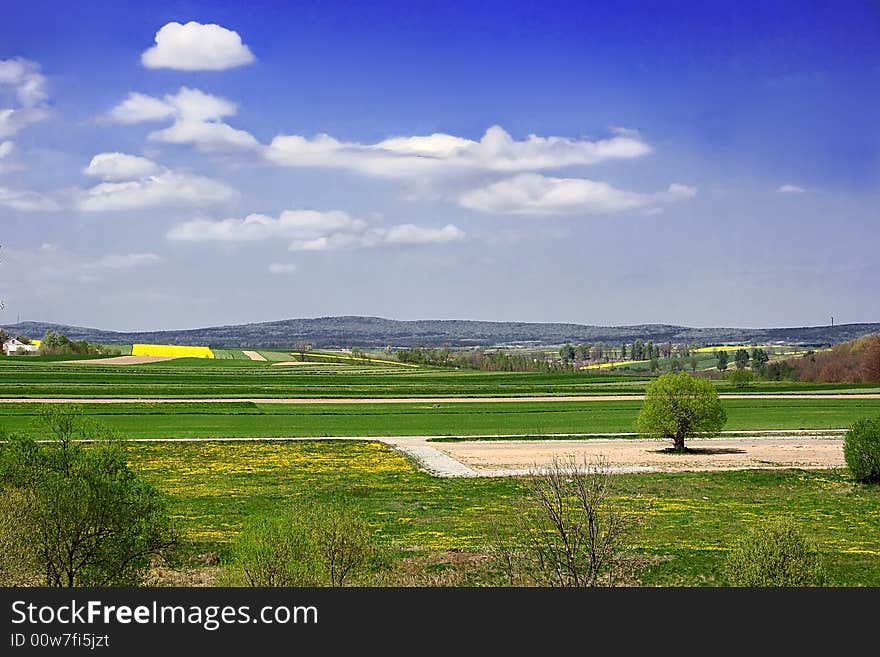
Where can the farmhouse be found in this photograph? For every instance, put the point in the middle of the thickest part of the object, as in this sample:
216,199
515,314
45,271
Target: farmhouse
13,346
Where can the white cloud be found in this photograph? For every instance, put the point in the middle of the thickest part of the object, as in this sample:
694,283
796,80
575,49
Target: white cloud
26,200
207,135
124,261
791,189
138,108
166,189
443,154
197,47
120,166
411,234
311,230
52,264
6,149
279,268
197,119
23,77
538,195
290,224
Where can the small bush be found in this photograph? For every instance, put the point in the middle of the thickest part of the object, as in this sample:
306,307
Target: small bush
861,449
774,554
307,546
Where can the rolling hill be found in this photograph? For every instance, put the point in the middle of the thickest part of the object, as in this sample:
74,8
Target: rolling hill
372,332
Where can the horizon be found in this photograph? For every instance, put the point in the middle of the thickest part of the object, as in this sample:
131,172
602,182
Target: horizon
204,164
295,319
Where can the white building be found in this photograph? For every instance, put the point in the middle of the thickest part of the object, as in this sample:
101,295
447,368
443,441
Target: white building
13,346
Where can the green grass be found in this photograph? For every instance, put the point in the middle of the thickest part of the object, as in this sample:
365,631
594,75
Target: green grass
241,378
243,419
691,518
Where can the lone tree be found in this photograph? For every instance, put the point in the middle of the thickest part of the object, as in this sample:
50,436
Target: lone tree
722,360
741,358
679,406
90,520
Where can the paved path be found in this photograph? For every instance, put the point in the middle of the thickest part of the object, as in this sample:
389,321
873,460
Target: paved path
405,400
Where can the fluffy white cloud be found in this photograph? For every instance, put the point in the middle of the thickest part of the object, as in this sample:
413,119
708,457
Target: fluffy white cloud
443,154
282,268
6,149
123,261
120,166
197,47
166,189
197,119
290,224
538,195
311,230
26,200
412,234
23,77
791,189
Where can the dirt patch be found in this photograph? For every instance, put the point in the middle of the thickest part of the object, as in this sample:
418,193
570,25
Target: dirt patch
519,457
121,360
254,355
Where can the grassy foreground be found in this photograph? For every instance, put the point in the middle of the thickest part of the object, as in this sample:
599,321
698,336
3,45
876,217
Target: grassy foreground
692,518
244,419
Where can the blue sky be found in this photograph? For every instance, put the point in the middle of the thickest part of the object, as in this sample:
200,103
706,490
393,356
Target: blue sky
604,163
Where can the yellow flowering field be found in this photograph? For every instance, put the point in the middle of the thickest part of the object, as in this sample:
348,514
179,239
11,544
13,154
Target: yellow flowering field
172,350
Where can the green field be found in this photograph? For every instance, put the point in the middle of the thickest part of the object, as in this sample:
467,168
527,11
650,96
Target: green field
244,419
691,518
240,378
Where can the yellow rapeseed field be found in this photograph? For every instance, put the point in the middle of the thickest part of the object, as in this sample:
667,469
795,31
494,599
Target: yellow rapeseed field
619,363
173,350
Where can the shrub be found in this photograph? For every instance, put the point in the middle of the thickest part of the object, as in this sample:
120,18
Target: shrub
861,449
774,554
304,547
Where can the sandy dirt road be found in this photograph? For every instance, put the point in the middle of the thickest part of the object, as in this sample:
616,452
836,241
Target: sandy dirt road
395,400
254,355
505,458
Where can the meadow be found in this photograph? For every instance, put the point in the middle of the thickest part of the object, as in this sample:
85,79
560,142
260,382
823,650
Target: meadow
236,378
246,419
690,519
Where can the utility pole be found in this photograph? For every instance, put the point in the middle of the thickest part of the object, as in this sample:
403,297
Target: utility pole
832,320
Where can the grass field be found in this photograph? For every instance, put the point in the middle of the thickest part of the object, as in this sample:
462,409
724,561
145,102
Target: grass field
243,419
233,377
691,518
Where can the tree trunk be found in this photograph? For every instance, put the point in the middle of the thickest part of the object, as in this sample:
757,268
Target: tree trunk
678,442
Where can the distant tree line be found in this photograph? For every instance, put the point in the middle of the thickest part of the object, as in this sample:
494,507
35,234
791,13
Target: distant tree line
851,362
494,361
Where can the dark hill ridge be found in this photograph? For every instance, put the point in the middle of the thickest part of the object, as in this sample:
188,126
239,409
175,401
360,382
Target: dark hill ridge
374,332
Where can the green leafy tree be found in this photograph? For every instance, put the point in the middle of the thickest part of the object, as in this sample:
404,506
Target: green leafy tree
759,359
678,407
861,449
741,358
774,554
567,353
623,351
95,521
722,360
740,378
638,350
693,362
